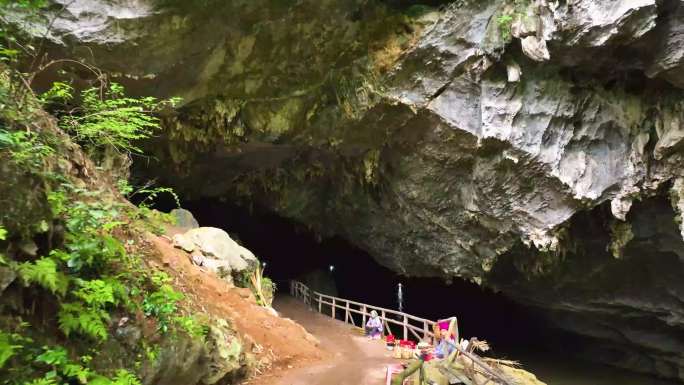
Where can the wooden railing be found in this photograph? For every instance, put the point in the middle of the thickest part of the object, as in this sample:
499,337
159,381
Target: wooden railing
357,313
420,328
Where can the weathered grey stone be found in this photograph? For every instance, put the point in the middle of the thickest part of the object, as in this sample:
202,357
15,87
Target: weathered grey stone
219,358
513,71
668,61
184,219
7,276
184,243
129,335
218,244
598,23
535,48
677,196
224,352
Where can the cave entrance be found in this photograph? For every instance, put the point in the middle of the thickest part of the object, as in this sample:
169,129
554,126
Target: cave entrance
291,251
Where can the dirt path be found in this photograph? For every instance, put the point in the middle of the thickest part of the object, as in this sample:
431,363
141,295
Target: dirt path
355,360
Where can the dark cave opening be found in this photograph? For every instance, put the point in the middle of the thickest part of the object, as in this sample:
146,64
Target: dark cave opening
291,251
513,330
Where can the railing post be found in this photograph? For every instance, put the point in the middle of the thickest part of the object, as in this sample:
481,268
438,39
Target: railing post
425,331
346,312
320,299
457,333
365,310
333,307
384,321
405,327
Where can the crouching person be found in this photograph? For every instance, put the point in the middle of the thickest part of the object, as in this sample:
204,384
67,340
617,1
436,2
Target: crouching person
374,326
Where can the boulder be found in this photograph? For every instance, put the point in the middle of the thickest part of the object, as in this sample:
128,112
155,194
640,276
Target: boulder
214,250
217,244
182,242
184,219
184,359
223,352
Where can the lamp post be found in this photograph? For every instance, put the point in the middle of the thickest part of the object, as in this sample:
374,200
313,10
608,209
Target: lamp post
400,297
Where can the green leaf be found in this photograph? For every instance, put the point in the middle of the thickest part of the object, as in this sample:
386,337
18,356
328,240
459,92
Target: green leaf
77,371
53,357
7,348
59,92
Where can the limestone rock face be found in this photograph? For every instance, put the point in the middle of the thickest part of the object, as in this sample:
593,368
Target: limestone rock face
534,147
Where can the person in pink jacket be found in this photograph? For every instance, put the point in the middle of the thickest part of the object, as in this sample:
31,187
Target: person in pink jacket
374,326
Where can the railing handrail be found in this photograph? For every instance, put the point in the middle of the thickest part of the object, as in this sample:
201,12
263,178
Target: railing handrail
301,291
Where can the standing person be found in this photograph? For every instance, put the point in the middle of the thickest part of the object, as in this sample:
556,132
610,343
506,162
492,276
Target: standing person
445,338
374,326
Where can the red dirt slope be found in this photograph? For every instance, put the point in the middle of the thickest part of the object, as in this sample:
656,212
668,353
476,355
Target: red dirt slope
273,339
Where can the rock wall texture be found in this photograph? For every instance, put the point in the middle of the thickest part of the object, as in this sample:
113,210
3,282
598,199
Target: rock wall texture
533,146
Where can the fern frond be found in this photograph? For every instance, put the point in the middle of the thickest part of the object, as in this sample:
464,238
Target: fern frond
53,357
42,381
124,377
44,273
8,348
74,317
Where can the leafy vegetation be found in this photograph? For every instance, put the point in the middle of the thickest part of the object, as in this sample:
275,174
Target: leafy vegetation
90,276
516,9
82,273
162,303
504,23
25,148
107,118
262,287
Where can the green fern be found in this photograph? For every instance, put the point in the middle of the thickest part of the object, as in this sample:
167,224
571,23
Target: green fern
44,273
113,120
505,22
57,201
42,381
163,303
8,348
25,148
58,359
3,236
96,293
60,92
192,326
124,377
74,317
53,357
76,371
